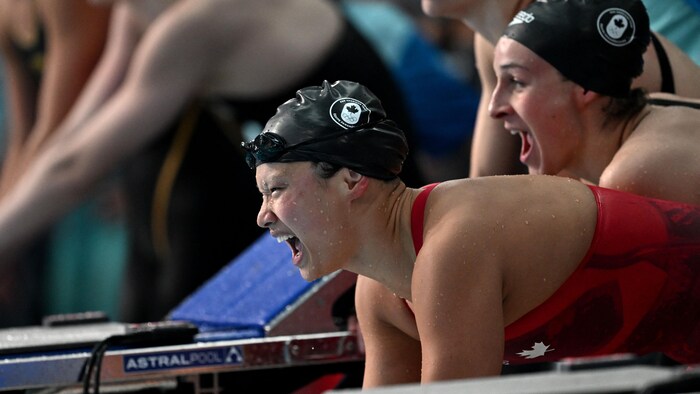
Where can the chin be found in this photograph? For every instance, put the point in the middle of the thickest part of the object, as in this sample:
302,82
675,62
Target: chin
309,275
534,171
305,275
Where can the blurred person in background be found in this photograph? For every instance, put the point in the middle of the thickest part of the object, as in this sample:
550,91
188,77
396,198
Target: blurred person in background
48,50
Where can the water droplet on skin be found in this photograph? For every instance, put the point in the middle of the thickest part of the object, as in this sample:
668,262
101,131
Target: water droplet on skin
554,216
527,222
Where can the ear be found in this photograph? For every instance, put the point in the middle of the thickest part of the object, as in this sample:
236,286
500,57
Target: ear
584,97
355,182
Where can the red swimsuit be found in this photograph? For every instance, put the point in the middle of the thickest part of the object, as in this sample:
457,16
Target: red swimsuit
636,291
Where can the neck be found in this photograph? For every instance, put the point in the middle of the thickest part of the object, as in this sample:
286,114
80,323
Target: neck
605,137
385,251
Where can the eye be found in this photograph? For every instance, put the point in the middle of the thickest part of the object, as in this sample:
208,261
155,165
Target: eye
272,187
275,189
516,82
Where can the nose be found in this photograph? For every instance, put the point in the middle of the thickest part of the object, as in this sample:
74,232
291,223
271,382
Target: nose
499,106
265,216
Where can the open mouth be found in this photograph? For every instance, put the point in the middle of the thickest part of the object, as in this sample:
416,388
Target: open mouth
294,245
526,146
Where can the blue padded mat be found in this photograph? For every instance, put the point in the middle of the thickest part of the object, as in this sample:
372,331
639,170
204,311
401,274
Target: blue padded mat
246,294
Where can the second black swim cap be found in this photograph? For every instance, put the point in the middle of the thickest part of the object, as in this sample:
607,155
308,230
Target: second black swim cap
342,123
596,43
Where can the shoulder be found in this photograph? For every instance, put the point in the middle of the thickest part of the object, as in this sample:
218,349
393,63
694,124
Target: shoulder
507,244
660,157
497,216
503,220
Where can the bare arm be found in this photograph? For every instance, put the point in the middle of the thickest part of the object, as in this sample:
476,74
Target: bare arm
494,151
71,61
457,292
76,33
19,93
167,69
392,355
123,37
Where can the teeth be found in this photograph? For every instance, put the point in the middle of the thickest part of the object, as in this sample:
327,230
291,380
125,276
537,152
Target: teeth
283,238
514,132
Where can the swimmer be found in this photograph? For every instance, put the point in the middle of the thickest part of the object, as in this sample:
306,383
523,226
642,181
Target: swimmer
575,111
459,277
494,152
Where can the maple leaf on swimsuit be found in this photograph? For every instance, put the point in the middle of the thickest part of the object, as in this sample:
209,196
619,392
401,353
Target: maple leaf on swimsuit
538,350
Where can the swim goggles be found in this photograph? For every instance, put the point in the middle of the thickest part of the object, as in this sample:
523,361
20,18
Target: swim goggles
269,147
264,148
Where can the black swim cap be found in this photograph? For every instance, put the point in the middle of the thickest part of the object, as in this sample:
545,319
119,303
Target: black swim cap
341,123
598,44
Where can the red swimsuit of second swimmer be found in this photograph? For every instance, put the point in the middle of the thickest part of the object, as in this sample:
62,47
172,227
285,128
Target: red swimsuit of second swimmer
636,291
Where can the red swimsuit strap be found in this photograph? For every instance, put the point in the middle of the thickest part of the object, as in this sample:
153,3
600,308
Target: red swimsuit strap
417,215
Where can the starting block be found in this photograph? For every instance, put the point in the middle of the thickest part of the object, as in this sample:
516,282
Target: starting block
257,315
261,294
